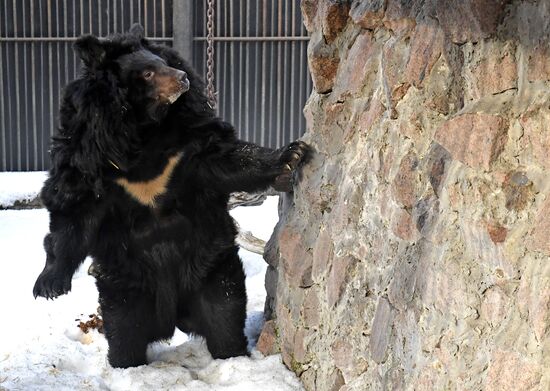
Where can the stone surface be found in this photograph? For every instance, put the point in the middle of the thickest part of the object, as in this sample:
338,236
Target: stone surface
267,342
437,166
309,13
539,238
368,14
414,252
338,278
333,16
496,70
518,190
474,139
400,17
497,232
360,65
297,261
538,65
403,225
323,63
536,137
427,44
381,330
405,180
470,20
508,371
323,251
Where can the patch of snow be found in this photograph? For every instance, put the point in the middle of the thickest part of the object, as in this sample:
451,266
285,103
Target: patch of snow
41,347
20,186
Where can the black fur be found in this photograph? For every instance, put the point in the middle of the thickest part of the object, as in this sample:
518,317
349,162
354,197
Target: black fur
171,264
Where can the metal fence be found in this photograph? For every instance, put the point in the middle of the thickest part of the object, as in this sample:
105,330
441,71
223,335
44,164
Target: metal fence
261,70
260,62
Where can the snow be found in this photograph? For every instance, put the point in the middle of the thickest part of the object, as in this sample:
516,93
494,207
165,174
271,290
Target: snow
16,186
41,347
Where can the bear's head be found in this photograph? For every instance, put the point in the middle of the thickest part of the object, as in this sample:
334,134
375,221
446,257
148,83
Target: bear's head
151,85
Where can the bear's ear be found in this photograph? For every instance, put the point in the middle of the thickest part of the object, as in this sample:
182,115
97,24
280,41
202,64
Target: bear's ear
137,31
90,50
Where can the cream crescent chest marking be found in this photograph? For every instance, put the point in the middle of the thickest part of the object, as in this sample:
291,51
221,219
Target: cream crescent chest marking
146,192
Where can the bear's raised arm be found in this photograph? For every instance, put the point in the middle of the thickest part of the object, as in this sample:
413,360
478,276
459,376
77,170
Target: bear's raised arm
66,249
235,165
73,215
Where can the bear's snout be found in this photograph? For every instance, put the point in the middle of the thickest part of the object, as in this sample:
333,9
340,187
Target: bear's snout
171,83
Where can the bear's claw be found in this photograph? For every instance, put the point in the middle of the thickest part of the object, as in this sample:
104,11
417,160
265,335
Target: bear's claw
51,285
292,157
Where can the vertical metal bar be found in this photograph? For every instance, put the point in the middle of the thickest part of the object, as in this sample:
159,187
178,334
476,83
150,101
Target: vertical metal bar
132,20
217,53
58,64
263,124
222,101
292,113
33,95
17,94
283,129
240,76
271,74
122,13
108,11
203,16
3,127
182,18
163,15
43,124
256,129
154,18
81,17
50,62
114,10
279,71
66,34
301,91
90,18
247,86
145,21
75,33
273,80
140,20
28,147
232,66
99,19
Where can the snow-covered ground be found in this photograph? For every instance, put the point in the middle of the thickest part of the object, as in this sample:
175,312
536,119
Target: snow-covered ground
15,186
41,347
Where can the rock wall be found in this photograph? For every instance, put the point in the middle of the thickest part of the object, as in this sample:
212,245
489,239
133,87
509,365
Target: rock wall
414,253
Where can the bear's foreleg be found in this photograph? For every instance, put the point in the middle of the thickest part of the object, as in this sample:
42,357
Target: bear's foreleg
248,167
66,249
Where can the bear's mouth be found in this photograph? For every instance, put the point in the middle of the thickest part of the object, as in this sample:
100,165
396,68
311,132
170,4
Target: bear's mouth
183,87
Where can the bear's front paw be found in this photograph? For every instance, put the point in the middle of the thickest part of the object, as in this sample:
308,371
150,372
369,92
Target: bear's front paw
51,284
292,156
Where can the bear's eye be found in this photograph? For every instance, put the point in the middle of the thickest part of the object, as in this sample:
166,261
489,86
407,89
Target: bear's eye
148,75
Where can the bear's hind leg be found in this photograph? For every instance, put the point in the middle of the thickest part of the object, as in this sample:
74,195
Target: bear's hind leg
126,330
220,309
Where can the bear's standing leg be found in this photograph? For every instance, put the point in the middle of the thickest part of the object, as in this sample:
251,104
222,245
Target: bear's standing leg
220,309
126,329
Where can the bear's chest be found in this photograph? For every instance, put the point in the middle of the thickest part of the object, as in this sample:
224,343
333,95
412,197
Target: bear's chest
147,192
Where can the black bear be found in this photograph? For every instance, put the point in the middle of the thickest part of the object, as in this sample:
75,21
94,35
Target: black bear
141,171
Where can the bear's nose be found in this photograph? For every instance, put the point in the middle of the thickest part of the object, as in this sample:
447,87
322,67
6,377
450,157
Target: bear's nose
182,75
